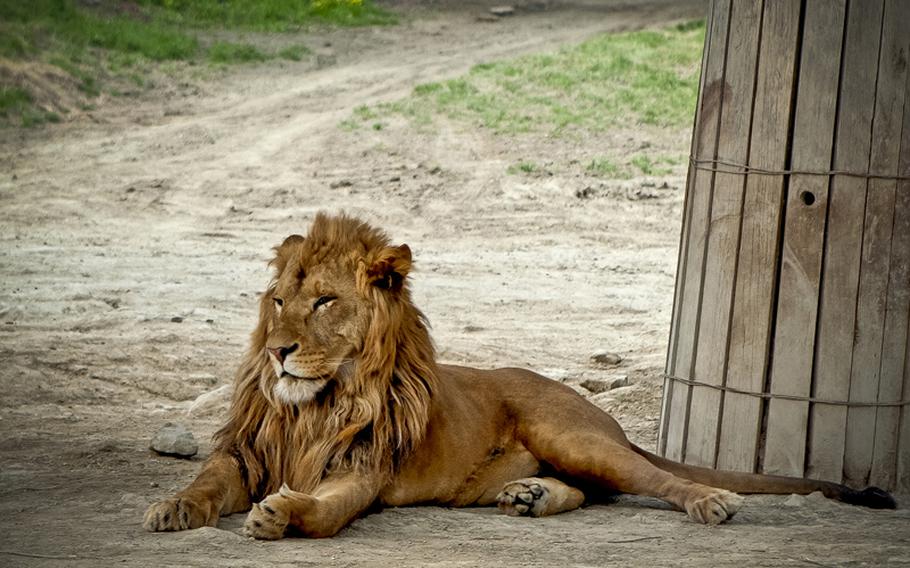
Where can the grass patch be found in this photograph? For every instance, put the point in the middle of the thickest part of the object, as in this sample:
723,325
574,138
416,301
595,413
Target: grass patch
654,166
604,167
271,15
111,45
16,107
640,164
223,52
294,52
644,77
522,167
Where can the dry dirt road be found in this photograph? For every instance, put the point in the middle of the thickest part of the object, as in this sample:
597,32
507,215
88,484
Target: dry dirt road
133,248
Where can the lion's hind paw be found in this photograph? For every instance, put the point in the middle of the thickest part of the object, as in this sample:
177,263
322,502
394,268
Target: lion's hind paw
524,497
715,508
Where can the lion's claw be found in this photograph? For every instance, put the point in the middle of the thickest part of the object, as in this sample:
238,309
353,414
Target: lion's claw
178,514
266,520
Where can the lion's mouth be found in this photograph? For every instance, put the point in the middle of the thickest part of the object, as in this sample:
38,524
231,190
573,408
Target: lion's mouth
285,374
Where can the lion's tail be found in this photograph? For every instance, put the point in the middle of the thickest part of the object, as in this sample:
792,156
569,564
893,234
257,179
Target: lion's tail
872,497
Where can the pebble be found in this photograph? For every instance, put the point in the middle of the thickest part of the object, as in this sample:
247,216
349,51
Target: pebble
174,440
176,319
214,401
502,10
597,386
606,358
618,382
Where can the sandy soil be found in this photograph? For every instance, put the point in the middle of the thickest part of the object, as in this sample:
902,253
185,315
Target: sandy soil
134,244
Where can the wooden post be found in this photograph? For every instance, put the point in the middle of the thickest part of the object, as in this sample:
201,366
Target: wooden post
789,344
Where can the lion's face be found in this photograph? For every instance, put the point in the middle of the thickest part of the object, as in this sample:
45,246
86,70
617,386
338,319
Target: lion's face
320,306
318,325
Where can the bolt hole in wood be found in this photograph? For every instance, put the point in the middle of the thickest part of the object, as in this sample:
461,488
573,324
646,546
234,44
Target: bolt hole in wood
807,197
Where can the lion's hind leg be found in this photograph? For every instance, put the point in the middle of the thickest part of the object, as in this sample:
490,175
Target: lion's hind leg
538,497
618,468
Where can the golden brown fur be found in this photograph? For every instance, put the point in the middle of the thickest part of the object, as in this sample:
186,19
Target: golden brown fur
340,404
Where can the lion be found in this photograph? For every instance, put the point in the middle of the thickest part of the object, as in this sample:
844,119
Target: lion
340,406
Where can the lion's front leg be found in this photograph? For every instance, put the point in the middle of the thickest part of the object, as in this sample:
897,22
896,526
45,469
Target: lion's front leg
334,504
217,490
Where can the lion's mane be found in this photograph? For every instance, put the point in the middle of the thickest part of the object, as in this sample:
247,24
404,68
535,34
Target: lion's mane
370,420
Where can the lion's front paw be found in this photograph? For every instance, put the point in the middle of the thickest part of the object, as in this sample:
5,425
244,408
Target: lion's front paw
523,497
177,514
714,508
267,520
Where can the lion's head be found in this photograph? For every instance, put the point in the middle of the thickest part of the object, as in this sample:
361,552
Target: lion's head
329,288
341,364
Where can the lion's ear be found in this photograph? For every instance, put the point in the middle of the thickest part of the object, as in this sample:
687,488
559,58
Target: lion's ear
390,267
282,252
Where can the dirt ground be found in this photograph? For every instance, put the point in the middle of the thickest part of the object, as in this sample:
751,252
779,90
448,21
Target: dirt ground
134,244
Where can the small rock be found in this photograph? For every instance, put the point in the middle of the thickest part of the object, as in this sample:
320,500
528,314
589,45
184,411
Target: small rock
174,440
211,402
153,484
395,178
435,170
795,501
176,319
620,392
618,382
595,386
586,193
606,358
664,185
502,11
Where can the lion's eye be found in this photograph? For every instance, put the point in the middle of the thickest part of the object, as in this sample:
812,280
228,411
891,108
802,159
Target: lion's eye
322,301
278,301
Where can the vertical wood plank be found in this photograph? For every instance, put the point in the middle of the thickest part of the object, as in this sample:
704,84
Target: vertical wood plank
840,267
803,239
723,237
894,302
681,266
758,249
901,252
699,197
876,251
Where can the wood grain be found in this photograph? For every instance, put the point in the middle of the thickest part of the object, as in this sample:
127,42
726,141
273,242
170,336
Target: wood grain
803,238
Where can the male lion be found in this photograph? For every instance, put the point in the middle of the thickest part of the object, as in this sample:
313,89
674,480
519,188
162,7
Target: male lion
340,404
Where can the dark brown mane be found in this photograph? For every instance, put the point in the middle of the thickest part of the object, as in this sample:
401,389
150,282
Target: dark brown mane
368,421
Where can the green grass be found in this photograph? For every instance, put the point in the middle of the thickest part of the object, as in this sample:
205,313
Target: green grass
640,164
604,167
16,107
223,52
294,52
646,77
271,15
110,45
523,167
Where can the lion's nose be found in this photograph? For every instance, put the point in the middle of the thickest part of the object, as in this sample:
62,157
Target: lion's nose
281,353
